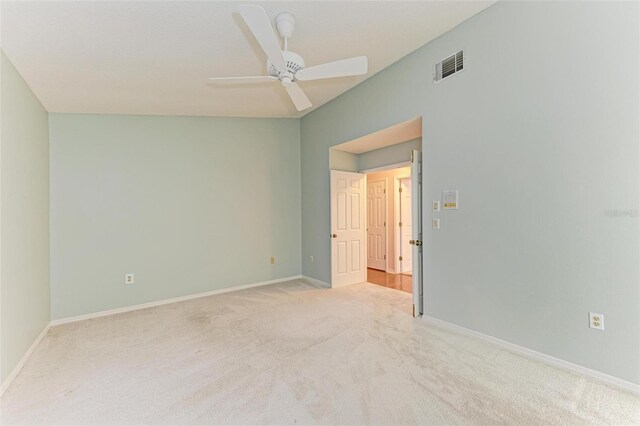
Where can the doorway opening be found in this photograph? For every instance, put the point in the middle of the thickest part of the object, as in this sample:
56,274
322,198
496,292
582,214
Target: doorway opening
389,219
376,210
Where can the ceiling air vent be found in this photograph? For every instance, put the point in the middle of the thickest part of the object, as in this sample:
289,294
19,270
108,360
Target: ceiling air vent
449,66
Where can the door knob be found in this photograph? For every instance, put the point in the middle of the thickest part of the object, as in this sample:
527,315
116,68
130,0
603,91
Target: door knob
418,242
334,235
412,242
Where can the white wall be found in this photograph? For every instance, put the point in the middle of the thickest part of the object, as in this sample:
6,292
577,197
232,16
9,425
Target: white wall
187,204
540,134
24,221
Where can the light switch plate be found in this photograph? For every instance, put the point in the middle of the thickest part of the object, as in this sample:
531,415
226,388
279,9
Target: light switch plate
435,223
436,206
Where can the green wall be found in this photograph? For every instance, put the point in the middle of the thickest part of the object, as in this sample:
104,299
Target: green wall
187,204
540,135
24,221
392,154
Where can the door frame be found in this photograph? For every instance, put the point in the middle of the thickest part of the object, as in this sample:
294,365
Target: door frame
396,226
386,218
392,135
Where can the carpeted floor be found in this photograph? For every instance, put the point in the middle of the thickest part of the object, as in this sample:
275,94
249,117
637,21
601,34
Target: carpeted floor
292,353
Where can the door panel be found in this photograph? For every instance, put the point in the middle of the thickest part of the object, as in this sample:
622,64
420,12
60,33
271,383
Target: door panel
342,257
356,211
406,230
416,208
347,232
376,225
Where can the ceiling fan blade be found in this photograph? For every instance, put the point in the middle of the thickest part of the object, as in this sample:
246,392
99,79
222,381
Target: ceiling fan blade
242,80
298,97
258,22
342,68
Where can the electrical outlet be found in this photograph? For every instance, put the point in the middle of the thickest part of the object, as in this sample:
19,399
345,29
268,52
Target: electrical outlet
273,260
311,259
596,321
435,223
129,279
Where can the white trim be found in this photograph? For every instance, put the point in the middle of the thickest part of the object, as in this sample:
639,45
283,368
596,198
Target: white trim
23,360
610,380
316,282
167,301
387,167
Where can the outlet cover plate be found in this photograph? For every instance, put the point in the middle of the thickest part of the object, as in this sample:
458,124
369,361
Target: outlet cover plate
129,279
596,321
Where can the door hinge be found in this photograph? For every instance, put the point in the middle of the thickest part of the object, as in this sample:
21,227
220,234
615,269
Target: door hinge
400,258
384,224
400,189
385,257
384,191
400,224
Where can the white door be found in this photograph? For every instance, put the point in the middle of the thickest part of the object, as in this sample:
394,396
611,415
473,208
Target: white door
376,225
348,246
416,208
405,230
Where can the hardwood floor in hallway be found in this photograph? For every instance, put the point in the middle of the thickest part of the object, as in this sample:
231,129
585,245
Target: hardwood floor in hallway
400,282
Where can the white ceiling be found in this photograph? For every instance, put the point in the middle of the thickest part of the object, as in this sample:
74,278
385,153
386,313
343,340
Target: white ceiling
140,57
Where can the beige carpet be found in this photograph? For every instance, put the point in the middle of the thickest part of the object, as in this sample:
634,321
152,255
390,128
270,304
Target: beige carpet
291,353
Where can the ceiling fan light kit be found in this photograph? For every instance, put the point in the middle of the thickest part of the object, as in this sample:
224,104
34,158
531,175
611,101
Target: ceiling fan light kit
286,66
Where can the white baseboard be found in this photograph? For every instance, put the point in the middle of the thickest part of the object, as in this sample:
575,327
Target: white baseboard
167,301
23,360
611,380
316,282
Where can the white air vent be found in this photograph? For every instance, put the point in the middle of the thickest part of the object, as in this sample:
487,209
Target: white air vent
449,66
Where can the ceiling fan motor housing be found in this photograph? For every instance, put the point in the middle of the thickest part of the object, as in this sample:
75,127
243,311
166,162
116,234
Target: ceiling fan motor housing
294,64
285,22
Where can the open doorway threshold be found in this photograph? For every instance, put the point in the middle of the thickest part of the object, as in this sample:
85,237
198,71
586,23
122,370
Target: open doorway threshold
400,282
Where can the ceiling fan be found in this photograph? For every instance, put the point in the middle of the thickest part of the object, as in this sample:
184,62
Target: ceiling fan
286,66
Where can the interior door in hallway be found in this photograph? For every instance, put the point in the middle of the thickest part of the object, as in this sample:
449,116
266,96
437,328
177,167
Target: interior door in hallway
406,229
376,225
348,235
